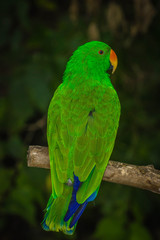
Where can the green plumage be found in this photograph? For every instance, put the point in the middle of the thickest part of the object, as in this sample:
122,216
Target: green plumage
83,119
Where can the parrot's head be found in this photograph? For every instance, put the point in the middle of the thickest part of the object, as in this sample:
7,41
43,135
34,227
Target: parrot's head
95,57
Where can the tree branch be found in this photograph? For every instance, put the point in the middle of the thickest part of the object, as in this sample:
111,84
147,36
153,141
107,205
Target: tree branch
144,177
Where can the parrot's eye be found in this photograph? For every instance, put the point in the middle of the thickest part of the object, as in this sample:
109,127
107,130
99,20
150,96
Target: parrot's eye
101,52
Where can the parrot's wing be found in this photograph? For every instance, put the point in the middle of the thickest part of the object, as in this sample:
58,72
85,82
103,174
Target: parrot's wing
58,153
61,133
81,138
94,144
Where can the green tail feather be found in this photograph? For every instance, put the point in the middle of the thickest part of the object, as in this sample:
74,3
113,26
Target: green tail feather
56,211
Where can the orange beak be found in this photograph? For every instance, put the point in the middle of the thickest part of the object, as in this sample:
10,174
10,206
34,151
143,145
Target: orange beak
113,60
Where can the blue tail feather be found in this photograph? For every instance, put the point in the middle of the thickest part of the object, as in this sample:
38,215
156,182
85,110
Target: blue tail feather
44,225
71,210
78,213
75,209
74,205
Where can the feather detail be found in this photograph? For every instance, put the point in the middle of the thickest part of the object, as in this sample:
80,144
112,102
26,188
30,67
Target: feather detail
55,213
73,206
78,213
75,209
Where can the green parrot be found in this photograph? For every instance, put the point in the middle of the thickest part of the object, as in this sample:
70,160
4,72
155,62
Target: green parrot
83,119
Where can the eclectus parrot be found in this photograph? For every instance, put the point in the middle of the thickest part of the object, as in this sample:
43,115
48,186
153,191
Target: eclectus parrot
83,119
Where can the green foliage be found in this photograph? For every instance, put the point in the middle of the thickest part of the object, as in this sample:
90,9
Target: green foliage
138,232
37,38
111,228
5,178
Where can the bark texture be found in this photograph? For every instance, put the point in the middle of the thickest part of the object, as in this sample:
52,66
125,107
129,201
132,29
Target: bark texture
144,177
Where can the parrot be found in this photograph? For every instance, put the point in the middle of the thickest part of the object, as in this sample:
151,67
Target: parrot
82,123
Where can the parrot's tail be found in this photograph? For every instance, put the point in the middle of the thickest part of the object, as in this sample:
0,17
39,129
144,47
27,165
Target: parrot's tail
56,211
63,213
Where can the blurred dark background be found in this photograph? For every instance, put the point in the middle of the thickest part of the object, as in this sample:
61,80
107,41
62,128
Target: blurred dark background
37,37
